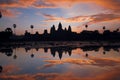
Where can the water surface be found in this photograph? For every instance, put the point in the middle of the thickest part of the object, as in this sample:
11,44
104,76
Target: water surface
60,63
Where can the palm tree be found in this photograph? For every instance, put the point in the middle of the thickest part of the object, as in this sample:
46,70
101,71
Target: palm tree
117,30
1,68
104,28
0,15
14,26
86,26
31,28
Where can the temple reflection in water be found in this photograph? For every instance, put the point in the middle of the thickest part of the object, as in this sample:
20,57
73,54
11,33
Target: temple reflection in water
59,50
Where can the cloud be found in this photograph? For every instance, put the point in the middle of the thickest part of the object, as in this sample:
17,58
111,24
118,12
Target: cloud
112,5
104,17
109,4
10,13
105,62
70,60
101,62
16,3
112,75
46,66
90,19
37,3
52,18
10,69
38,76
44,4
52,63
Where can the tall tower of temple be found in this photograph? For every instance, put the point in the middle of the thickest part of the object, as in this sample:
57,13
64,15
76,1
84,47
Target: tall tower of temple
52,30
69,29
60,27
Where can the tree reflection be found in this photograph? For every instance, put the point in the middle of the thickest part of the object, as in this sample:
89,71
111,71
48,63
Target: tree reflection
59,50
86,54
104,52
8,51
32,55
15,56
1,68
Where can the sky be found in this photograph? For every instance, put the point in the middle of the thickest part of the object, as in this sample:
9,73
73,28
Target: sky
44,13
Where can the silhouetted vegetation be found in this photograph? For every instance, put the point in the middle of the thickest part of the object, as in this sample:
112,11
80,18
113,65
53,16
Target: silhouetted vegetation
14,26
5,35
61,34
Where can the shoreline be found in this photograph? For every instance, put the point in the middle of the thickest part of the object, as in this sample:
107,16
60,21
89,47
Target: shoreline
43,44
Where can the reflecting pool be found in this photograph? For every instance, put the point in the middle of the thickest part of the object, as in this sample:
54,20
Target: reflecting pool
59,62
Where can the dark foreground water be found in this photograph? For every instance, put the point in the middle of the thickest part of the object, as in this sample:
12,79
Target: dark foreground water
59,62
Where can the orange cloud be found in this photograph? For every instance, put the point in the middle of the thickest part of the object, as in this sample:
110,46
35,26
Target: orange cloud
46,66
55,3
112,75
104,17
112,5
37,76
10,13
108,4
87,19
52,63
16,3
91,61
71,60
105,62
10,69
50,18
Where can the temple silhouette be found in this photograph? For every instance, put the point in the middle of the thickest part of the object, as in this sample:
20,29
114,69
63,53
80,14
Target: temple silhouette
61,34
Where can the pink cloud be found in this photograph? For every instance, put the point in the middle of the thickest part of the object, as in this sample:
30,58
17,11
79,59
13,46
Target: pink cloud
112,75
10,13
91,19
108,4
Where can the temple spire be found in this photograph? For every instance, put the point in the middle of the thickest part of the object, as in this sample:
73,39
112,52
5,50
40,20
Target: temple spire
60,27
69,29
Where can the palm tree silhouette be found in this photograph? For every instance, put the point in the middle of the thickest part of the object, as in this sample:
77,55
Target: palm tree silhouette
14,26
32,55
104,28
1,68
31,28
117,30
86,26
0,15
